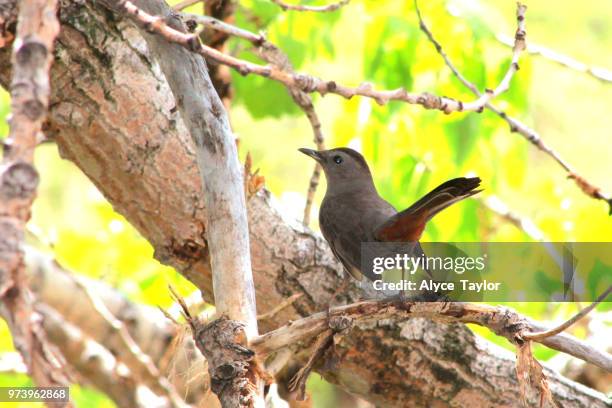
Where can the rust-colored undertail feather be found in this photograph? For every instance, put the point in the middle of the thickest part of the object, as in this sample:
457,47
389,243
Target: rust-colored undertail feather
408,225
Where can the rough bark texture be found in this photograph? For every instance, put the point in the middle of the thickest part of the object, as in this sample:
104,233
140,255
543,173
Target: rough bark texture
37,27
439,353
230,363
220,171
221,177
113,115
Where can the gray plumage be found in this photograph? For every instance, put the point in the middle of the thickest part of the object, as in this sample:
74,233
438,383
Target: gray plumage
353,212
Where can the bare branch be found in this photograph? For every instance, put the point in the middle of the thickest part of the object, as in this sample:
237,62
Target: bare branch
80,328
516,126
216,24
287,302
278,59
539,336
298,382
312,189
310,84
497,206
502,321
94,363
186,3
140,364
304,101
37,27
601,74
221,177
320,9
230,364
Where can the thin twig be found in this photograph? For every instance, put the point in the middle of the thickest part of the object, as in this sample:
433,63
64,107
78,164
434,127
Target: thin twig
602,74
184,309
538,336
167,315
220,75
307,83
186,3
298,382
312,189
278,59
516,126
304,101
495,205
320,9
216,24
285,303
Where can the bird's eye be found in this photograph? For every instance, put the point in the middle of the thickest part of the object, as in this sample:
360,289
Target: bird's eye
338,159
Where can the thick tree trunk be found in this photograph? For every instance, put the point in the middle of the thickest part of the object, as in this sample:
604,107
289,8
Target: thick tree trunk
114,116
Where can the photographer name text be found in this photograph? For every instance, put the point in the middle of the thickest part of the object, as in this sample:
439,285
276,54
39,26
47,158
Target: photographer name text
433,286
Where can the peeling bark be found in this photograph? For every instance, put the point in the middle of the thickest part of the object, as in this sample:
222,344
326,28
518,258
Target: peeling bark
114,116
230,363
221,177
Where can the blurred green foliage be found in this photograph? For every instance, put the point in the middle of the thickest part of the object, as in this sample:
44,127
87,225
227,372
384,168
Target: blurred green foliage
410,150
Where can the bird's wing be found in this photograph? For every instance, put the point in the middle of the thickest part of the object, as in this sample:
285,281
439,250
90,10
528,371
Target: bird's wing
345,245
408,225
352,270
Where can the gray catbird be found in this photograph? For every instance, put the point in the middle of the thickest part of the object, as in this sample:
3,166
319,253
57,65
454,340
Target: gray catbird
352,212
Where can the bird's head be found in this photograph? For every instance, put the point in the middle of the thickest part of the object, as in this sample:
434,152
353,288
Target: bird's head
343,167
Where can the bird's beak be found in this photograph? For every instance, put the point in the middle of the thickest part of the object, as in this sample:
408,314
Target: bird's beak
312,153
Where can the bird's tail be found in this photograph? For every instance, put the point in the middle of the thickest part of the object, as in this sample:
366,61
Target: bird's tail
408,225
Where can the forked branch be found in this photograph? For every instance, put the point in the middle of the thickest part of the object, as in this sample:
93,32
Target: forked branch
517,126
311,84
502,321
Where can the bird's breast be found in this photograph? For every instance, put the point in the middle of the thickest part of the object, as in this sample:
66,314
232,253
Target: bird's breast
357,215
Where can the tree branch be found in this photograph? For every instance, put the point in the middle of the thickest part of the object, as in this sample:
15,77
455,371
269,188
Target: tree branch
133,133
37,27
498,207
220,75
223,187
278,59
502,321
539,336
120,340
95,364
601,74
516,126
320,9
311,84
186,3
72,321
